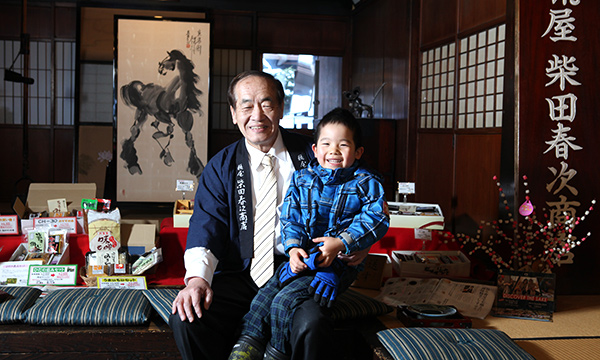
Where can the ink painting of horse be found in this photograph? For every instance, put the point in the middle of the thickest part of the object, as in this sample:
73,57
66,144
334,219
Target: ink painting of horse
162,107
169,106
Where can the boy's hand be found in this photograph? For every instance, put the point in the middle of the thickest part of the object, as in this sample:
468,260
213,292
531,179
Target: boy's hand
329,249
292,268
297,256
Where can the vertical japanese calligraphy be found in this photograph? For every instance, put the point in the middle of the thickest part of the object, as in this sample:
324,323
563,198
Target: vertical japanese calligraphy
563,73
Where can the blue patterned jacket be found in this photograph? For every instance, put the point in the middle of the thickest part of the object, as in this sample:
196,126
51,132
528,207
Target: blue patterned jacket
347,203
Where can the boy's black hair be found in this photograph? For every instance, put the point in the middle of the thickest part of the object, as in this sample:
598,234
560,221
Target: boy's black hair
344,117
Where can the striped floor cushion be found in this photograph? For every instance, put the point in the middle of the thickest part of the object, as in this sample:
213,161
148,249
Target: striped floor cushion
90,307
162,300
350,305
19,299
446,344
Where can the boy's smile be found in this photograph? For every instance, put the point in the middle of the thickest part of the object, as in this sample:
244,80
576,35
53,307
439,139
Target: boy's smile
335,147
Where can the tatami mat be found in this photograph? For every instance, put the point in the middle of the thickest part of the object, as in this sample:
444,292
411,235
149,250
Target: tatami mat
575,316
562,349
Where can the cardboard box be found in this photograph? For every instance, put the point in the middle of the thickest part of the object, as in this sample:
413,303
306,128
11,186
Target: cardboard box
39,194
406,264
182,212
372,275
416,215
139,236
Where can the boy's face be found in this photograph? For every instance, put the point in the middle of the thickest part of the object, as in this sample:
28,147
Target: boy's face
335,147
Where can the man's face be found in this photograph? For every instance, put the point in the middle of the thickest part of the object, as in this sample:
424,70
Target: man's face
335,147
257,112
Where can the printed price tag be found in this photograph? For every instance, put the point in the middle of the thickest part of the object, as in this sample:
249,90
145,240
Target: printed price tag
406,187
129,282
422,234
60,275
68,223
185,185
9,225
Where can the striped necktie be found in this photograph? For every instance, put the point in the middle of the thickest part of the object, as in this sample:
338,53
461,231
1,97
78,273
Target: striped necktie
264,225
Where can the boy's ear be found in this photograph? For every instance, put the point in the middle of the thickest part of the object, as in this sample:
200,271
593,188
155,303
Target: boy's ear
314,147
359,152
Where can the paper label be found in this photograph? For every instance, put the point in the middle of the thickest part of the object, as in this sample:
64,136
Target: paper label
52,275
104,235
109,257
129,282
406,187
9,225
422,234
16,272
185,185
120,269
57,205
67,223
37,241
97,269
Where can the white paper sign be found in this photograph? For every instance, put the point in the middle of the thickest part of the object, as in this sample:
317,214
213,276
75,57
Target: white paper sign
68,223
185,185
406,187
16,272
9,225
422,234
52,275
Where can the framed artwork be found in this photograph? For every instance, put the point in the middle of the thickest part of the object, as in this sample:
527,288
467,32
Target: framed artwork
162,105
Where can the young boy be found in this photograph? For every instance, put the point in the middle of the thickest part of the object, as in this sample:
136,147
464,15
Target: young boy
334,206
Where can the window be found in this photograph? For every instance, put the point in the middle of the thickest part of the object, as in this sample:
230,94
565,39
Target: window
96,94
479,78
437,87
40,99
304,79
227,63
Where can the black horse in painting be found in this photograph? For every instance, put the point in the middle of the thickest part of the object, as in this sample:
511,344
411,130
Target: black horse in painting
176,102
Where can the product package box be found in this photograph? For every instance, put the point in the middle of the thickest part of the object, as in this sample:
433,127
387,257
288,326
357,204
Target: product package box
139,236
40,194
377,267
525,295
182,212
416,215
431,264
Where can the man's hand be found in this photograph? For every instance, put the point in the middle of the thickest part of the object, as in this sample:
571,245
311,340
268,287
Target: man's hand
188,302
355,258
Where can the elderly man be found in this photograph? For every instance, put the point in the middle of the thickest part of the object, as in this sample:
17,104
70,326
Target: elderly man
222,242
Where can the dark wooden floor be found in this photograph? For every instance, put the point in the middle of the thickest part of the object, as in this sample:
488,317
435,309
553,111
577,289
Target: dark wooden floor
354,340
152,341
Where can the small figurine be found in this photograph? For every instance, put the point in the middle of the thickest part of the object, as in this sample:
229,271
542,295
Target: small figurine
356,105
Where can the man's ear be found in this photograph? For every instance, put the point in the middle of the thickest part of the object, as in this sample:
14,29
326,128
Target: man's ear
232,114
359,152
